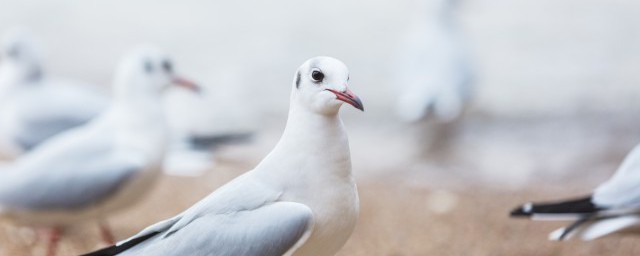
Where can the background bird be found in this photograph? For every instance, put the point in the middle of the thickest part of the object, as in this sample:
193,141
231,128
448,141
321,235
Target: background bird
433,67
434,77
34,106
613,206
301,199
103,166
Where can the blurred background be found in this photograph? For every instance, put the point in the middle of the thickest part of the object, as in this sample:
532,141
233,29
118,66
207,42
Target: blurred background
555,107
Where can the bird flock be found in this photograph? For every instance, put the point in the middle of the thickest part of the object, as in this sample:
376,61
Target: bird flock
82,166
80,154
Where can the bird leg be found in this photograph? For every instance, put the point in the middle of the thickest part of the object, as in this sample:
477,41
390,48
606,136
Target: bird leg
53,238
105,233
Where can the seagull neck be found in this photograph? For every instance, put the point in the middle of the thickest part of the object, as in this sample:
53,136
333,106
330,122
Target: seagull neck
303,123
140,124
142,113
312,145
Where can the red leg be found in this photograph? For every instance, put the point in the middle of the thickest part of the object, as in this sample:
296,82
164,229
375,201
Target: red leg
52,241
105,232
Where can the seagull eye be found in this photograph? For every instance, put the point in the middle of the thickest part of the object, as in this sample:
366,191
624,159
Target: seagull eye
167,66
317,75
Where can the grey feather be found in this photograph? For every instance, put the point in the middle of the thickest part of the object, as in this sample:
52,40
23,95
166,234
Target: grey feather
38,131
76,169
73,186
269,230
243,217
213,141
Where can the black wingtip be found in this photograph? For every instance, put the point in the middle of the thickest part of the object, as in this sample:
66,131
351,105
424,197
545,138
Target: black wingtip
117,249
583,205
109,251
522,211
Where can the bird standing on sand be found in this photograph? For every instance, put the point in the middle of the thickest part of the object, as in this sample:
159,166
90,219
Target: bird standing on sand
103,166
300,200
613,206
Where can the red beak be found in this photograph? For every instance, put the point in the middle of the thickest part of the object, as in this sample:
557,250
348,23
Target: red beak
349,97
184,83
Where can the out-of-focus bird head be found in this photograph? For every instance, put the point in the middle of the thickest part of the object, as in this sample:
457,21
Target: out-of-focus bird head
321,85
148,71
19,55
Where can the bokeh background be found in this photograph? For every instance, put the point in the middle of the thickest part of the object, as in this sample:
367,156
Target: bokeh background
556,107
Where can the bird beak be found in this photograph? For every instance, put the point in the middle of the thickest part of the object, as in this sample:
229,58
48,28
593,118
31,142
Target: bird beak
349,97
184,83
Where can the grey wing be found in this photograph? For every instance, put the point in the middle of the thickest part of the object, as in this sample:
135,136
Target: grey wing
273,229
80,183
37,131
58,109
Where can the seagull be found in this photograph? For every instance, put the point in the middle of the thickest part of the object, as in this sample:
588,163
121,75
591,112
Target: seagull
300,200
103,166
433,66
33,106
613,206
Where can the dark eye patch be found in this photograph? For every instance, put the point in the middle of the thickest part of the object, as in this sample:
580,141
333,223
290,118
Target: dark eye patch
298,79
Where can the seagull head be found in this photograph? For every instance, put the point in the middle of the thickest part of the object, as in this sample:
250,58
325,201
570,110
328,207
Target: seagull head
322,85
148,71
20,55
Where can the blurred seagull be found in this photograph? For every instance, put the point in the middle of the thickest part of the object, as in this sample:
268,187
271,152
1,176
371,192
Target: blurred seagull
105,165
613,206
301,199
433,65
34,107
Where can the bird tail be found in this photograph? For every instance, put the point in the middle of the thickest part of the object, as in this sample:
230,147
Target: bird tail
208,142
573,209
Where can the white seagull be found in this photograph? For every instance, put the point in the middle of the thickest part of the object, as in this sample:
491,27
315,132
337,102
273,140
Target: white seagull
433,65
300,200
613,206
33,106
103,166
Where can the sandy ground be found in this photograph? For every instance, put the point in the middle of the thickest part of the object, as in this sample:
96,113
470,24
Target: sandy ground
444,204
394,221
